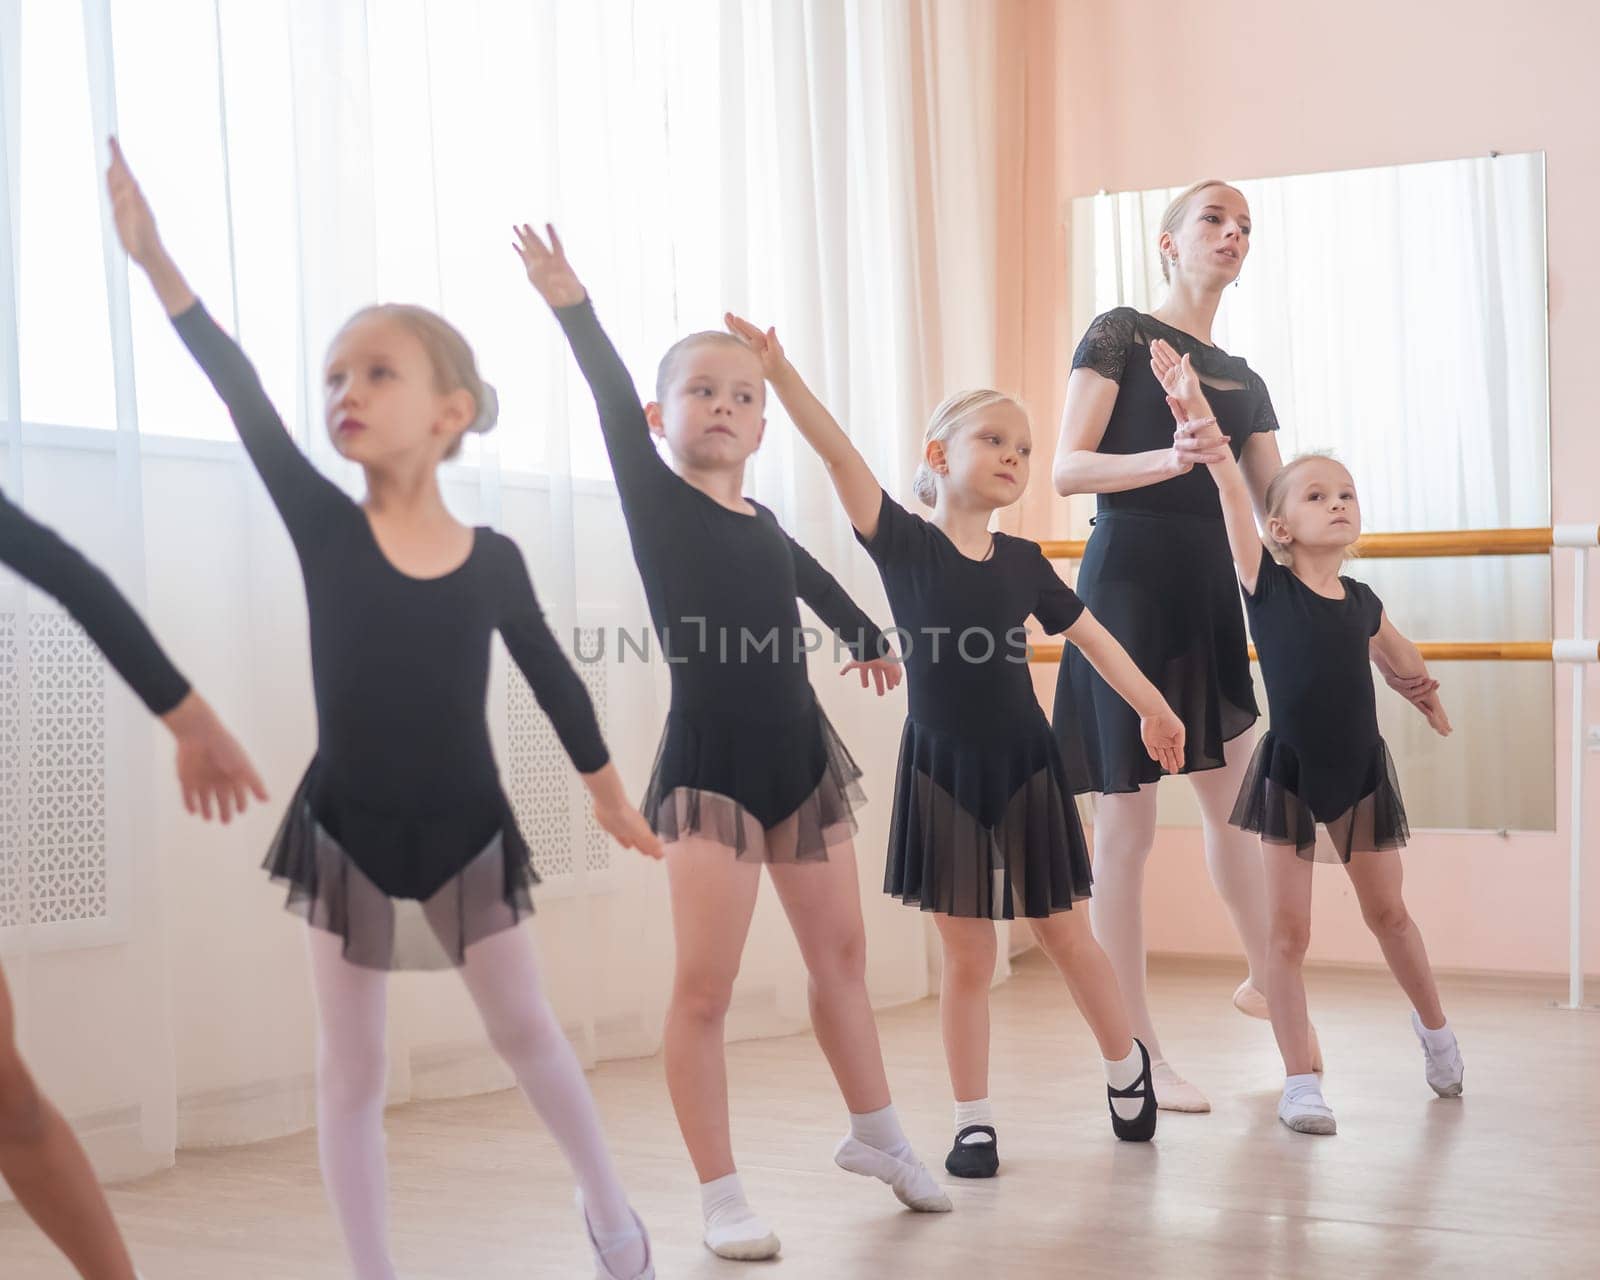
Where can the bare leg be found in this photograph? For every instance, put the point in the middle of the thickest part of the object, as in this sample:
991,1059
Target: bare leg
1289,902
1377,879
48,1171
713,899
823,903
968,971
1066,939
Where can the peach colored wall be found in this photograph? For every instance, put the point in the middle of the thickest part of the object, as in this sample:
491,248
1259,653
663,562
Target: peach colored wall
1148,93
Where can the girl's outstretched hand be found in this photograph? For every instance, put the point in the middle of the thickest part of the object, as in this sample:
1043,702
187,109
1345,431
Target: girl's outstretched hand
1163,737
1411,688
213,769
548,269
626,825
1433,709
885,673
765,345
136,225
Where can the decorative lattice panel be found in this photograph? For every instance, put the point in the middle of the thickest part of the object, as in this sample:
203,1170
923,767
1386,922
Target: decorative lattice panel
53,786
11,815
540,775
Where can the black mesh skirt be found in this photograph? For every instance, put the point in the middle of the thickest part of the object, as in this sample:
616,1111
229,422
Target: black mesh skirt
1165,587
1283,798
767,791
984,830
421,892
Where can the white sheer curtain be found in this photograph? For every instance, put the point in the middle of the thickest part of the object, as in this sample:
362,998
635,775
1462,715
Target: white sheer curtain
1398,317
796,161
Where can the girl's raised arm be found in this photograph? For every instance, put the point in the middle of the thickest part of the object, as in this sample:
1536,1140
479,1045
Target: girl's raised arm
858,489
1192,414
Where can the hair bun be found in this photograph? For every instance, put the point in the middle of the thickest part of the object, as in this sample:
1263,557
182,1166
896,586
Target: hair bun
488,410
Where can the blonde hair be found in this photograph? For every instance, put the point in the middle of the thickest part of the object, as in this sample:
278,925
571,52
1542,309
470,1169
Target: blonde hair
455,367
705,338
953,413
1172,219
1277,497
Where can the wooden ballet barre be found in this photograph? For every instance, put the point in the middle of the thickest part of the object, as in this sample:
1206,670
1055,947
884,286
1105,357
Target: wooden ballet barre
1393,546
1441,651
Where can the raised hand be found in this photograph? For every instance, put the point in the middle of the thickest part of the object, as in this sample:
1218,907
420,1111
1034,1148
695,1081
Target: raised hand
212,767
136,225
885,673
1163,736
1178,378
765,345
136,228
546,264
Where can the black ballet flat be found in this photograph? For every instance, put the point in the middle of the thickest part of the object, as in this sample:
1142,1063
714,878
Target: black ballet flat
974,1159
1143,1126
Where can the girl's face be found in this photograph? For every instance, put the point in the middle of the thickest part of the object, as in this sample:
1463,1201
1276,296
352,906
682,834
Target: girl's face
984,462
1321,511
1212,241
712,416
382,402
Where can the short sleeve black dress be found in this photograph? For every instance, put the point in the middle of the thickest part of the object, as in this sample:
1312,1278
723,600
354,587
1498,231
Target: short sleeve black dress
399,838
983,823
1157,571
747,760
1323,759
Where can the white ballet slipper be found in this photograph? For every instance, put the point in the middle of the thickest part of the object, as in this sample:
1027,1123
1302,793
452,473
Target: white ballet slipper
1444,1068
1306,1112
908,1179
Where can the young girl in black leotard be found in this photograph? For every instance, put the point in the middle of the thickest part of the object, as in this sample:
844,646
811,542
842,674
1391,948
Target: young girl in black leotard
749,770
984,826
400,848
40,1158
1323,761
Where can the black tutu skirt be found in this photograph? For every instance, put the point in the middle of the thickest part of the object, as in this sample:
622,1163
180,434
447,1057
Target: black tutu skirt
1284,797
984,830
766,790
402,893
1165,587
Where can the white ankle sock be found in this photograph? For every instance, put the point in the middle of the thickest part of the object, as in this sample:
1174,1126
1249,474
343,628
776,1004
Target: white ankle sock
1121,1075
722,1201
1438,1038
976,1112
1307,1082
881,1130
733,1229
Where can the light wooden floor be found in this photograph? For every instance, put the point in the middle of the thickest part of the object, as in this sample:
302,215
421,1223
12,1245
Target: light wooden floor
1504,1182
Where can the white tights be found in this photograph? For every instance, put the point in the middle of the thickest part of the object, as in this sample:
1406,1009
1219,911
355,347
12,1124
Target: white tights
503,978
1125,831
